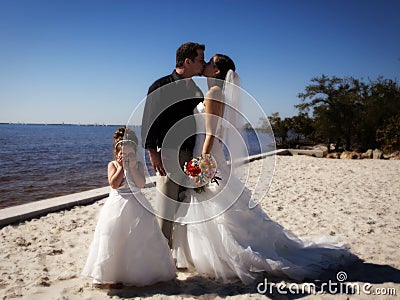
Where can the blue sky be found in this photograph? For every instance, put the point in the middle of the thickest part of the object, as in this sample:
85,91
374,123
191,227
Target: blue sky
84,61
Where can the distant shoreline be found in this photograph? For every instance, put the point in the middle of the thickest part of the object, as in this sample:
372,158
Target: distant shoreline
60,124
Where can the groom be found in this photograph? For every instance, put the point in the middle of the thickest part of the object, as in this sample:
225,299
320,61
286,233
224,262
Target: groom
169,100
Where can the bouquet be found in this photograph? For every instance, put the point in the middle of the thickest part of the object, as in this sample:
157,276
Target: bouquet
202,170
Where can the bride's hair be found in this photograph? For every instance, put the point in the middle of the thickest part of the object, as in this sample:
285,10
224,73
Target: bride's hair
223,63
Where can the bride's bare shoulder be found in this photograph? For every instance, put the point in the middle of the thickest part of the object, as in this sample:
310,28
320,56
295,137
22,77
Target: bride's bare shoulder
214,93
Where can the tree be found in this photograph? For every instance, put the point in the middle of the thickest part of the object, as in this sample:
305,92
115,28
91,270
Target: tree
347,112
389,135
381,102
302,127
335,104
279,127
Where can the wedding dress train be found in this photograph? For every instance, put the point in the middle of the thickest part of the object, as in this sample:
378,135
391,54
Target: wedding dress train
242,241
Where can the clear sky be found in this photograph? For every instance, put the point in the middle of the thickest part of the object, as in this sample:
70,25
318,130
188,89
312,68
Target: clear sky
91,61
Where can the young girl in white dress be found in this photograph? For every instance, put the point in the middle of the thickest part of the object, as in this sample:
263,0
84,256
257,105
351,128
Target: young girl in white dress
128,246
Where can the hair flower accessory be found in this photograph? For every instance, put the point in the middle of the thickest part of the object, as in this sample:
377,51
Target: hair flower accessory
202,170
125,142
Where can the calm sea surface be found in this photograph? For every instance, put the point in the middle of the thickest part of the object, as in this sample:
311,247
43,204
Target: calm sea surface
43,161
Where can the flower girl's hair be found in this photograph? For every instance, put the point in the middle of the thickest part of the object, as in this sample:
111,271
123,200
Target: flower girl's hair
124,135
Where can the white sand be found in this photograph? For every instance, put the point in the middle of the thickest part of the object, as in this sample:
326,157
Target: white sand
355,200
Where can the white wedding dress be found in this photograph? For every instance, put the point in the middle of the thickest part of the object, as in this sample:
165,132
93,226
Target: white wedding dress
128,246
241,241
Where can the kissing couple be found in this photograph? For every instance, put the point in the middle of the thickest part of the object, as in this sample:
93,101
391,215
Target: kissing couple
211,230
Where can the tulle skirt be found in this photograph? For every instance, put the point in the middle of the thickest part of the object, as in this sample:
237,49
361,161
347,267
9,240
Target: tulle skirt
242,241
128,246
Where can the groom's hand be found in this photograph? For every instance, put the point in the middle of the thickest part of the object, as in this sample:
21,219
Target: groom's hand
156,162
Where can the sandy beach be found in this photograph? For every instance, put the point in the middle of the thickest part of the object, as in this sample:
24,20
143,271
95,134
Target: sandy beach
355,201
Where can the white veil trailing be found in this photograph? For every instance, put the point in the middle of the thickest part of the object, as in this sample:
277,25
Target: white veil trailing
235,136
233,126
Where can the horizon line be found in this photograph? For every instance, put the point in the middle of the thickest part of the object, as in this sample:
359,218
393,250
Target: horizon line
67,124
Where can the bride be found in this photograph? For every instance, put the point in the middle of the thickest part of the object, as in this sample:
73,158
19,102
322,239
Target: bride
236,241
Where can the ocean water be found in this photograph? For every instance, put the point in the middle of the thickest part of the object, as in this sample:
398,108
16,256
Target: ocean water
43,161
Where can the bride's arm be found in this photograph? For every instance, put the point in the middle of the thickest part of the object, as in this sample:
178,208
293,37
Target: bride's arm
213,108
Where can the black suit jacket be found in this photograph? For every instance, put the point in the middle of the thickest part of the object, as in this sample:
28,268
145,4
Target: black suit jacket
169,100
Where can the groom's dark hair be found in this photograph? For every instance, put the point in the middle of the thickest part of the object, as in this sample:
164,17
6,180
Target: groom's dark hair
187,50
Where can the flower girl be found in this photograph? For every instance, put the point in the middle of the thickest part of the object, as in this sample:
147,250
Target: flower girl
128,246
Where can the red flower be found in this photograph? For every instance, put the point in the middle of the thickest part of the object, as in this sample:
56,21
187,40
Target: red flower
192,169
